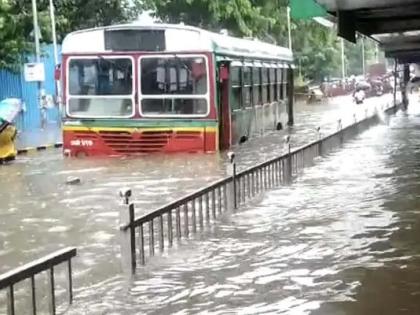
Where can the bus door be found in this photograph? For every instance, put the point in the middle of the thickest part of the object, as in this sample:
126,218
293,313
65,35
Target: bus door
225,133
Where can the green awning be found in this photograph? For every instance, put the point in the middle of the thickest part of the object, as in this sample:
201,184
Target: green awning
305,9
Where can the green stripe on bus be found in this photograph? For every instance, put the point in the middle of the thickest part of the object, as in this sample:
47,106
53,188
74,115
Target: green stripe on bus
127,123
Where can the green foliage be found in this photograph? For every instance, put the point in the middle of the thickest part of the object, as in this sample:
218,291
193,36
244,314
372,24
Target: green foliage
240,17
16,22
72,15
354,59
12,35
316,48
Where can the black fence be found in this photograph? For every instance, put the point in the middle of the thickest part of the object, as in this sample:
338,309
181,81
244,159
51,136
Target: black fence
179,219
30,270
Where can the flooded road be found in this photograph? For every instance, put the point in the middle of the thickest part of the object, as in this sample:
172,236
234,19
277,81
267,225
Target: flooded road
343,239
39,214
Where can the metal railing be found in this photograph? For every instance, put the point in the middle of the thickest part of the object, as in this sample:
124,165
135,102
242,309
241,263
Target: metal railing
185,216
30,270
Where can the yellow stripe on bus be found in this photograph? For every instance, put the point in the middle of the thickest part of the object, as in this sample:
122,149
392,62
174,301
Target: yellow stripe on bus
133,129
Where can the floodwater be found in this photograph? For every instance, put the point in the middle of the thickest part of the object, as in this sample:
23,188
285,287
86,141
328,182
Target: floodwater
307,247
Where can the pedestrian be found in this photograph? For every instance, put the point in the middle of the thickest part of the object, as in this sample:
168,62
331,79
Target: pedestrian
43,110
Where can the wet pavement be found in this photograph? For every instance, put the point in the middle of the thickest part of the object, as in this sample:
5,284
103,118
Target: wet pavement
318,216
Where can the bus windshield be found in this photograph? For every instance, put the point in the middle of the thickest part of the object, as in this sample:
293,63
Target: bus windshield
174,85
100,87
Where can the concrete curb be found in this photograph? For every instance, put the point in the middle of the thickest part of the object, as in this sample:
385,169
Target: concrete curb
39,148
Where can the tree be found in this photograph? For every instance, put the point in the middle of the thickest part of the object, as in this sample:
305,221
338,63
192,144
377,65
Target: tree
355,59
264,19
16,22
240,17
72,15
316,50
13,35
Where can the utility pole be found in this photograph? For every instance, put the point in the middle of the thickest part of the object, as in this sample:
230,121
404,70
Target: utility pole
56,61
36,31
38,60
289,29
300,67
343,62
54,34
363,56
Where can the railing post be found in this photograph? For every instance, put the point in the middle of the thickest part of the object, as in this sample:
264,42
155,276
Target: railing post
151,238
170,229
52,290
29,271
132,237
287,170
200,212
33,295
186,223
128,236
161,234
10,300
340,129
232,191
319,141
70,280
141,245
178,223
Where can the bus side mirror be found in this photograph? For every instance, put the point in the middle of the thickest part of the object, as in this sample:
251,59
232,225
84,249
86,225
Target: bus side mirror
57,73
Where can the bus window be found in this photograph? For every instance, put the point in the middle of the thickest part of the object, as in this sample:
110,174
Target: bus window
100,87
284,81
235,76
173,75
247,87
264,85
272,90
178,81
236,90
278,84
247,76
256,85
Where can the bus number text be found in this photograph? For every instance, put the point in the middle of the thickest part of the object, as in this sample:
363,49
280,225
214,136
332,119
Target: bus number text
81,143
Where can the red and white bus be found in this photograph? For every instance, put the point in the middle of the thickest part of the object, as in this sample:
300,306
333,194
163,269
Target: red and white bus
133,89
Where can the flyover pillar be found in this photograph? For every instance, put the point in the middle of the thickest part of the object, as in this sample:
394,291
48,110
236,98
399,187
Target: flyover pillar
406,79
290,96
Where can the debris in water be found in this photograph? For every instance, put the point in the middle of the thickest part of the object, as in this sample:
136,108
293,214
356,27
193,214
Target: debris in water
73,180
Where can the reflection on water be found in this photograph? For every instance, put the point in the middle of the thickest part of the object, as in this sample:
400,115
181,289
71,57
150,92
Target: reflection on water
298,248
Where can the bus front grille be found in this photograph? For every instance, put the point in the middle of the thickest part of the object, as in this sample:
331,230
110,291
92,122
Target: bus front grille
132,143
146,141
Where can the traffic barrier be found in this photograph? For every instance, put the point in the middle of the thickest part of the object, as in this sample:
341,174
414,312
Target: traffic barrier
9,279
39,148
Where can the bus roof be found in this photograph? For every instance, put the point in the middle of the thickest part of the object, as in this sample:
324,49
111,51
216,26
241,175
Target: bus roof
178,38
